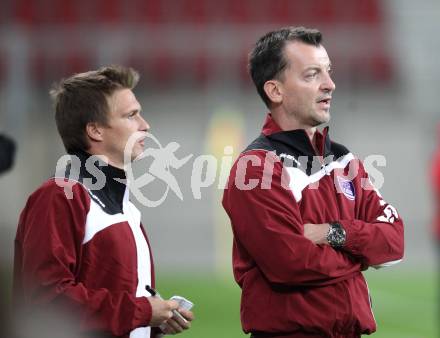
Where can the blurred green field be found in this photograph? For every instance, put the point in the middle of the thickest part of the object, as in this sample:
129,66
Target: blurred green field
404,303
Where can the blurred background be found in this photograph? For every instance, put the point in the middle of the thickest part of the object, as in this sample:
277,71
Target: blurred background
195,91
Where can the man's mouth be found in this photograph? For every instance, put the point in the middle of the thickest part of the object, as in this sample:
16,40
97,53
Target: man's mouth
326,99
141,141
324,102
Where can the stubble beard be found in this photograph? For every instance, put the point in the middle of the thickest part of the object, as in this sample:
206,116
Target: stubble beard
317,118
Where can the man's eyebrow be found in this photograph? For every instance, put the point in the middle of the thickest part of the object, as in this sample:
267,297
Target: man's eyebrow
312,67
315,66
135,110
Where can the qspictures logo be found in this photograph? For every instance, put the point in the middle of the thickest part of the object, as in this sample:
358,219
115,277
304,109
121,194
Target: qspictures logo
160,164
164,159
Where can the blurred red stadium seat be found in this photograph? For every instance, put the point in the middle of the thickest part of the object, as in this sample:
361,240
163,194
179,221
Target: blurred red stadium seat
194,11
282,11
342,19
324,11
66,11
238,11
24,12
147,12
109,11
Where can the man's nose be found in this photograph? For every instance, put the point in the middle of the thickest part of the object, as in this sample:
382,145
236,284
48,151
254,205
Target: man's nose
144,126
328,85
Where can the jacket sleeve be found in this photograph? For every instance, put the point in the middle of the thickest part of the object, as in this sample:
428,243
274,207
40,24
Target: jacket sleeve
267,223
48,250
376,235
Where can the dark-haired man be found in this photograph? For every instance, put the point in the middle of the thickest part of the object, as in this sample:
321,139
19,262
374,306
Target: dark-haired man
305,217
80,248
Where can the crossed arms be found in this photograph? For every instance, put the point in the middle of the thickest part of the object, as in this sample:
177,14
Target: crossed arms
292,249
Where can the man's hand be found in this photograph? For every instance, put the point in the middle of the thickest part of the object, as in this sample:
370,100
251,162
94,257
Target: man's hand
176,325
161,310
317,233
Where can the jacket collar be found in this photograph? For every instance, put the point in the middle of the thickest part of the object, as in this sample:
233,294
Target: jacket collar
298,138
112,194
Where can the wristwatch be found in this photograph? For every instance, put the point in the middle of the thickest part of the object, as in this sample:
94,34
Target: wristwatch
336,235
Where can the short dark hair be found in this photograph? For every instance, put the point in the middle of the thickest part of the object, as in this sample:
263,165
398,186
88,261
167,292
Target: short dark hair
266,61
83,98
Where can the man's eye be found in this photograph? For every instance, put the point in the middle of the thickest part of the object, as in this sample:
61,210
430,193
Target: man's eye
311,75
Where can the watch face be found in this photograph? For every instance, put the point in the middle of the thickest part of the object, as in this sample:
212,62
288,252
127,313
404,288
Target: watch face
336,235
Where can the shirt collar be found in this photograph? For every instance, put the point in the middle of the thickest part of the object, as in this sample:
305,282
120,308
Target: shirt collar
270,126
115,189
298,138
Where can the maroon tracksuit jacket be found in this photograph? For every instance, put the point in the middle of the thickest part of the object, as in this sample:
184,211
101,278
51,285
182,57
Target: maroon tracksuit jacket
290,285
84,251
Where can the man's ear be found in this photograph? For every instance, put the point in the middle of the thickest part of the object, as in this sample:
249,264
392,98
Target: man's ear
272,90
94,131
